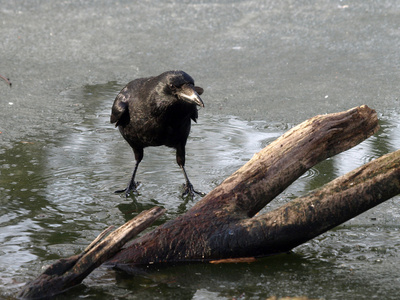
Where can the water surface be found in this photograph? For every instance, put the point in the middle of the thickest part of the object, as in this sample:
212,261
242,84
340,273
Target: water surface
265,66
56,190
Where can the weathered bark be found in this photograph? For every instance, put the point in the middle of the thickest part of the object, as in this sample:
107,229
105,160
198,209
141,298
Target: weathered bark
313,214
222,225
69,272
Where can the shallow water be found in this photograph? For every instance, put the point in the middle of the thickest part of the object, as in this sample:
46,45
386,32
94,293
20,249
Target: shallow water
278,61
56,191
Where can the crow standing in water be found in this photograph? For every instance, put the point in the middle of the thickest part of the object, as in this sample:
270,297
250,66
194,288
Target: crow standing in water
157,111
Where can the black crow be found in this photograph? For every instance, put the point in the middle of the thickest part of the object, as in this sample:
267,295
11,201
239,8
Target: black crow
157,111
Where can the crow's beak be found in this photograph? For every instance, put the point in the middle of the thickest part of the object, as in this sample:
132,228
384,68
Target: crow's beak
189,94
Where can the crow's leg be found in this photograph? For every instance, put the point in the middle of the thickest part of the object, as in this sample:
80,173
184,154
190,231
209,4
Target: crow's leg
188,187
132,186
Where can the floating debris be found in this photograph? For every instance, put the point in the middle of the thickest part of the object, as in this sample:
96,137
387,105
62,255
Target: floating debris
6,80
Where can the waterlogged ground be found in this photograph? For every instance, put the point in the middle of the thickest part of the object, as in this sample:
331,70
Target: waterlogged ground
265,66
56,192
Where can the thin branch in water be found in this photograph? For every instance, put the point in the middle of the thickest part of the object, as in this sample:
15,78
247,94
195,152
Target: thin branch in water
6,80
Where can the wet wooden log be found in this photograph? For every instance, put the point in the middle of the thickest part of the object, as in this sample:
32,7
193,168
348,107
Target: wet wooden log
223,224
69,272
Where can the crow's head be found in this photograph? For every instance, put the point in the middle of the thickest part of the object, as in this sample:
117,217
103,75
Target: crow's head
180,85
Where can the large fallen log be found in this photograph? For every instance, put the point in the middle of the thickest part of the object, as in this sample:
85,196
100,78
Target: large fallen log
224,224
69,272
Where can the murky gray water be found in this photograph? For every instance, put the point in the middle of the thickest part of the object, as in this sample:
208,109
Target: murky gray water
57,195
265,66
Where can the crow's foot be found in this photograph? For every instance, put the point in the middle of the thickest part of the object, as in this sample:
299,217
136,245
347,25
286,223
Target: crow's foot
131,188
189,191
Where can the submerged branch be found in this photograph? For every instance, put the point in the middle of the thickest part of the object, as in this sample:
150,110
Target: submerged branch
6,80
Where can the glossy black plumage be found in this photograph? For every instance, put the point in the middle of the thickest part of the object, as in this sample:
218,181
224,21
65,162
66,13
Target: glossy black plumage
157,111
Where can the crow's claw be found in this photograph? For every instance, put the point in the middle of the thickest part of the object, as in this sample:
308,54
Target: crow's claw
189,191
132,188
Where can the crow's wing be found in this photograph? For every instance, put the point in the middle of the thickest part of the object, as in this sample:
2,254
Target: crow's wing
120,113
120,108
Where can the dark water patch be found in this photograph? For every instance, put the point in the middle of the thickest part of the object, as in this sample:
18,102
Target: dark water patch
56,191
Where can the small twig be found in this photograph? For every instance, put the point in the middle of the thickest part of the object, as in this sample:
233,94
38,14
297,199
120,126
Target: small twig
6,80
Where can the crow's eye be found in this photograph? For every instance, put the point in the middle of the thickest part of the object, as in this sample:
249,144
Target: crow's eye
172,87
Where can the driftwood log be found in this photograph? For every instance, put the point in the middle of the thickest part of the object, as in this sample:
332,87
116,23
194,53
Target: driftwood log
225,225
